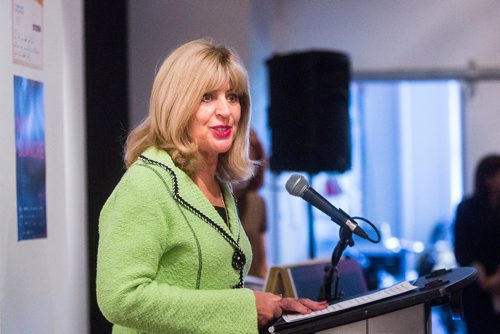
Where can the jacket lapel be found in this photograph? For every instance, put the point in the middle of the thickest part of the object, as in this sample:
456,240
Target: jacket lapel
186,191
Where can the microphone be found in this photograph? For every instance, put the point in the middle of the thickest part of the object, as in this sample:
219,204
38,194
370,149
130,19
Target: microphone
297,186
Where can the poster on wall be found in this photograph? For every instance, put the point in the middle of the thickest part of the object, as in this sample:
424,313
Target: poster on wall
27,33
30,159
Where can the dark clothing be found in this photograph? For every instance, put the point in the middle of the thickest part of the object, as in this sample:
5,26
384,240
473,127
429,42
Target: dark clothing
477,240
252,211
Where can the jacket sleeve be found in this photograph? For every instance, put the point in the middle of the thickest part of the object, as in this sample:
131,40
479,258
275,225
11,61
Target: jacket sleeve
132,235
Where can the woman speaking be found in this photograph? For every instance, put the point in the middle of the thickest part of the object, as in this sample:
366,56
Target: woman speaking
172,253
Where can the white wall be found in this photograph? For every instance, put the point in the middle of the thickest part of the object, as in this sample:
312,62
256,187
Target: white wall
387,34
482,124
378,35
43,282
156,27
391,35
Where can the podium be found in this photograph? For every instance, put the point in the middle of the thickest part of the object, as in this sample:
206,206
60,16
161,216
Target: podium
408,313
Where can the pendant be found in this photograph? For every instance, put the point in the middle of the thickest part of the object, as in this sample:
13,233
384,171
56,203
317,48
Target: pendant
239,259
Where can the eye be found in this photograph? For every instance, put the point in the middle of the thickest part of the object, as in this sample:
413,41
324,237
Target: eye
234,98
207,97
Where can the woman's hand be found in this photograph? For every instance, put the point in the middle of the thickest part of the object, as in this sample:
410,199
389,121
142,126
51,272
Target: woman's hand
268,307
302,305
271,306
489,283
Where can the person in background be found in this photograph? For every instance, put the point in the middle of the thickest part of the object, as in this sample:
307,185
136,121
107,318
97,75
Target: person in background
172,255
477,244
252,209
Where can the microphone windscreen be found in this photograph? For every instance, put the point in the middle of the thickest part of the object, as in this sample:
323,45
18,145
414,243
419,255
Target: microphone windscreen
296,185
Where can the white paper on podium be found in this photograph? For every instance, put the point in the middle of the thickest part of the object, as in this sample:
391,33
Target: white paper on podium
394,290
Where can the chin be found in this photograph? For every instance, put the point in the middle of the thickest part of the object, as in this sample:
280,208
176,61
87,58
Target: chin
222,151
223,147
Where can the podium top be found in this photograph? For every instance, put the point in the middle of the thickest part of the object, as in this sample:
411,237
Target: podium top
439,287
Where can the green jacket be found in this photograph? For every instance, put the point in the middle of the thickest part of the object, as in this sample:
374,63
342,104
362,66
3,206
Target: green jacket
161,268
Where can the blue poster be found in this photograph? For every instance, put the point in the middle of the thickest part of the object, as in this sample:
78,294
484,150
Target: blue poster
30,159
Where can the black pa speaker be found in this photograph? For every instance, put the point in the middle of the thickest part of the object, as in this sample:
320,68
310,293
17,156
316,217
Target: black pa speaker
308,113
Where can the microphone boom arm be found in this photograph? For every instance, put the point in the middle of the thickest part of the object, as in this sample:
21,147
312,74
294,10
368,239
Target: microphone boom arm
331,272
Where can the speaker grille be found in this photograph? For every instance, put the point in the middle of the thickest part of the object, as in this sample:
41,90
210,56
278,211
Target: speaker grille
308,112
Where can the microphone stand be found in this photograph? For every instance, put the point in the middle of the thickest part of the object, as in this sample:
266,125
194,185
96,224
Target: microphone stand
310,227
331,271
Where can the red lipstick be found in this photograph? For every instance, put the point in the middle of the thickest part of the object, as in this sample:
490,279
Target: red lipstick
222,131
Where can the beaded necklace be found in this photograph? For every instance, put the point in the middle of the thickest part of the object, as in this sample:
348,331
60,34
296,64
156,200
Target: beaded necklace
239,258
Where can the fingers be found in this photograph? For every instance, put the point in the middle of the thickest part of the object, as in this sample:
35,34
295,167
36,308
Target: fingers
271,306
313,305
302,305
268,307
278,311
290,304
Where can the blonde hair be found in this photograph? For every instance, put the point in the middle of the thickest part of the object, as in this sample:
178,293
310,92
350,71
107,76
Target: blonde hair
186,74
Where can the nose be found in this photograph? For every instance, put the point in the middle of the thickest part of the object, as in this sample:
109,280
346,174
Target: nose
222,107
